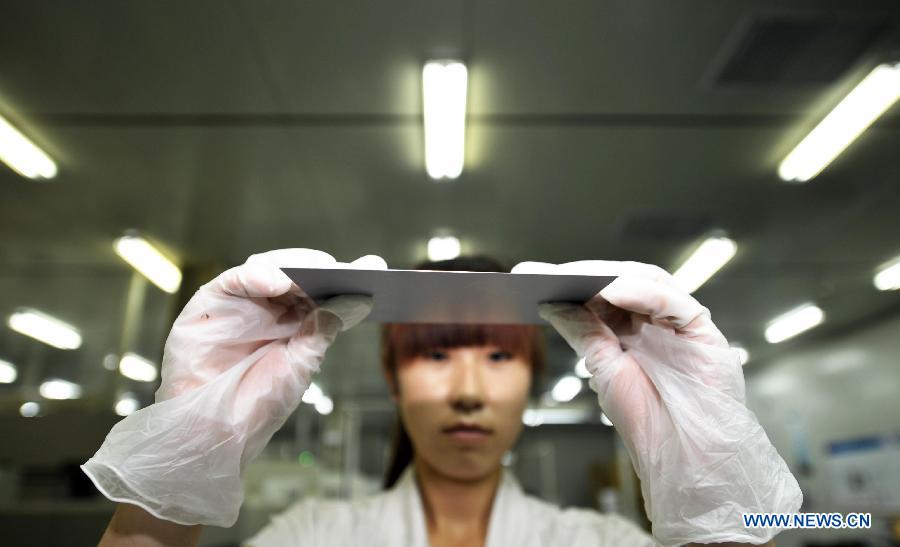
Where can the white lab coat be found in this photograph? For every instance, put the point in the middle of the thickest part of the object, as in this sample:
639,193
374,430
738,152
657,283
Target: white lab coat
396,518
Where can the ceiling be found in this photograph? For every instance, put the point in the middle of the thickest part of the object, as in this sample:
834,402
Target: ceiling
597,129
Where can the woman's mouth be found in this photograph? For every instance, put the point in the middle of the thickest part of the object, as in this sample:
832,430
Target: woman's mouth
467,433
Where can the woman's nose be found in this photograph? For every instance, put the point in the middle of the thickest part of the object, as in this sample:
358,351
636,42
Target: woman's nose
467,394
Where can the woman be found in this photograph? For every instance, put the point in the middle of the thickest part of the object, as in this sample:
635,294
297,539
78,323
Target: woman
243,351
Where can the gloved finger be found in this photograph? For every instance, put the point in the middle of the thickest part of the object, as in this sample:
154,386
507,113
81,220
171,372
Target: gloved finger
261,276
664,304
608,268
306,348
349,309
369,262
530,267
612,316
656,295
294,258
279,378
586,333
251,281
297,295
617,268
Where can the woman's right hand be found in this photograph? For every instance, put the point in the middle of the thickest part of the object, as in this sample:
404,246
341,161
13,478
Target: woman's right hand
236,364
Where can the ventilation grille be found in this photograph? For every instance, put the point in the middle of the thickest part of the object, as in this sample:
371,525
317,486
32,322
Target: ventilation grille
641,226
799,51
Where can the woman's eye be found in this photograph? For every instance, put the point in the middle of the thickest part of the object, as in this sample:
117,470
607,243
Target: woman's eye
498,356
436,355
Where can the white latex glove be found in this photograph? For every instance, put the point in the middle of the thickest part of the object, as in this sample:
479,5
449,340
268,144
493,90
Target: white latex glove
667,379
236,364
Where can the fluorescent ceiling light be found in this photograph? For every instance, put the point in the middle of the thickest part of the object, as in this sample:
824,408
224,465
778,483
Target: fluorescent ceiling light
566,389
444,90
857,111
111,361
794,322
8,372
533,417
604,419
137,368
705,261
59,389
443,248
151,263
313,394
581,369
888,276
127,404
742,352
324,405
45,328
30,409
22,156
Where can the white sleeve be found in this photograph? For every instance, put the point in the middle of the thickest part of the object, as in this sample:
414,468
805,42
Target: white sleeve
312,522
288,527
587,527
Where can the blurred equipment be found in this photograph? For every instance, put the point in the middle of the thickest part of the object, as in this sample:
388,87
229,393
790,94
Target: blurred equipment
865,474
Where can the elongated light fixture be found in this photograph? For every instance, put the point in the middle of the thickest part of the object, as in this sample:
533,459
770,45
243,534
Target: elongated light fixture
742,353
137,368
792,323
30,409
59,389
581,369
443,248
533,417
8,372
444,98
566,389
22,156
324,405
704,262
127,404
888,276
313,394
45,328
857,111
152,264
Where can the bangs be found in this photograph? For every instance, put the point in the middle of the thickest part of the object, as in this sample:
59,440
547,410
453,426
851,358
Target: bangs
401,342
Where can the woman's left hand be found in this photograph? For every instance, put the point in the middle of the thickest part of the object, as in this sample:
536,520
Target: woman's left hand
666,377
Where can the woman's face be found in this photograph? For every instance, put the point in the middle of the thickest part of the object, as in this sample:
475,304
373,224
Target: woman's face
462,407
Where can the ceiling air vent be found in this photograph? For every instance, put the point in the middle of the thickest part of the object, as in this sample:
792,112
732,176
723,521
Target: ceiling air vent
639,226
798,51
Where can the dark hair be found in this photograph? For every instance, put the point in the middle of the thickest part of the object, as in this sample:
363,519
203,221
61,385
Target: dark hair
400,342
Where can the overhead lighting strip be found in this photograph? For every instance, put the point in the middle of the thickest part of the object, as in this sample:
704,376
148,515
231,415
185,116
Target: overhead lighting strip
856,112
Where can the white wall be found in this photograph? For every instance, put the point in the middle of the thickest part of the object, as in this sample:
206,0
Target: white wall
844,388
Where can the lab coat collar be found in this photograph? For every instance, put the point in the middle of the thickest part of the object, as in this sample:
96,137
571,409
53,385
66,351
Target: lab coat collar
500,526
